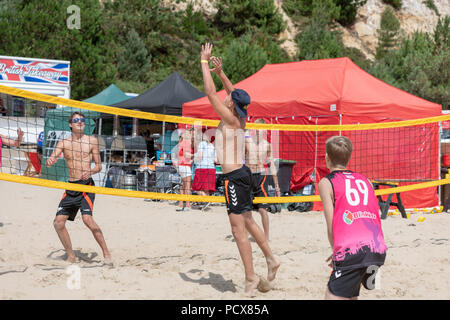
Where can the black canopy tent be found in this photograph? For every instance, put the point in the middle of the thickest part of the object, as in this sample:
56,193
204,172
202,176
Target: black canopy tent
166,98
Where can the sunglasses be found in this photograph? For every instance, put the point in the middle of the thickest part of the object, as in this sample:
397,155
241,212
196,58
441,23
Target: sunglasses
76,120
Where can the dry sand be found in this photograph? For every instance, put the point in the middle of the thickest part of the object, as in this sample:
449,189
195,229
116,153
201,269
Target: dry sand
162,254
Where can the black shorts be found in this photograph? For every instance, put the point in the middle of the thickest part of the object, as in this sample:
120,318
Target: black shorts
238,190
72,201
346,283
259,189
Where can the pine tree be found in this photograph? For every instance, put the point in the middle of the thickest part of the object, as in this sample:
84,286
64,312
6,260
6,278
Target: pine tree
134,63
388,32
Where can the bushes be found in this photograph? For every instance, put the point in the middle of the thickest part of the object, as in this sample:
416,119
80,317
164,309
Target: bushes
138,43
420,65
347,9
239,17
397,4
242,57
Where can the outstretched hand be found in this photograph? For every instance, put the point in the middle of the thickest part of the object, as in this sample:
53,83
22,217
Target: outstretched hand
217,64
206,51
20,134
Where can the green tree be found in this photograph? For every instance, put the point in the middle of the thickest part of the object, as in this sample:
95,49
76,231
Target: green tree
317,41
239,17
388,32
134,63
241,58
348,10
294,7
397,4
420,65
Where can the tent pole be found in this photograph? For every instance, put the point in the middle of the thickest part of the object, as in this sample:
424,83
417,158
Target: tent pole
163,135
100,126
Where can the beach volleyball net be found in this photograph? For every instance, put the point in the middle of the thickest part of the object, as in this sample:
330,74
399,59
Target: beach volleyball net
147,155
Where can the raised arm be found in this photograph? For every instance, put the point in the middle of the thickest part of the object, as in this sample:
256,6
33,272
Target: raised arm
210,89
222,76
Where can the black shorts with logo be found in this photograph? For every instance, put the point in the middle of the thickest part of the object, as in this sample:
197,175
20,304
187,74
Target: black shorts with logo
259,189
72,201
346,283
238,190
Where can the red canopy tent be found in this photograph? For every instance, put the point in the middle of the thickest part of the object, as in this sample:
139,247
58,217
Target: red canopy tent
336,91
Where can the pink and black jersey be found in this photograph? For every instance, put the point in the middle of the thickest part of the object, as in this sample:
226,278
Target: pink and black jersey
357,236
1,146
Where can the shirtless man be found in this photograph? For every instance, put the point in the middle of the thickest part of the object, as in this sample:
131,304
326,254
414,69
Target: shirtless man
258,152
229,145
79,151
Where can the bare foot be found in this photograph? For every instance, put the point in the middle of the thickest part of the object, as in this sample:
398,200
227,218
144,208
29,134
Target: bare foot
251,285
272,268
263,285
71,259
108,262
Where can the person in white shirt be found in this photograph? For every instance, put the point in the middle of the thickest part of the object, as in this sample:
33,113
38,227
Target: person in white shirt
205,168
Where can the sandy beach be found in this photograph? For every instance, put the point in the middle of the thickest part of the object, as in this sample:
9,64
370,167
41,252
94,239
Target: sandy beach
163,254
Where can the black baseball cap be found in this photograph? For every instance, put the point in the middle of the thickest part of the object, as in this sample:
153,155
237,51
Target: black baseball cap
241,101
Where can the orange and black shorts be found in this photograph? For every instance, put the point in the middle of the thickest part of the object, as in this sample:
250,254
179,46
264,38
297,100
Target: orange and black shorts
260,189
72,201
238,190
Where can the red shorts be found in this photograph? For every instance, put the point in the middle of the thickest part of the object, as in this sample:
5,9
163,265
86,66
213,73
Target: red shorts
204,180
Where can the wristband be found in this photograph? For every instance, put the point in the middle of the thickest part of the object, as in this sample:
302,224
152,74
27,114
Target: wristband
204,61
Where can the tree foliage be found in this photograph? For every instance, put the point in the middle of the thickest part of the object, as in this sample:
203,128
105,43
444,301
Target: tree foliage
347,9
138,43
420,65
38,29
239,17
388,32
317,41
242,57
397,4
134,62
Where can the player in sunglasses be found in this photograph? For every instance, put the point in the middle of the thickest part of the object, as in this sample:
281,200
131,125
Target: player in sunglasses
79,152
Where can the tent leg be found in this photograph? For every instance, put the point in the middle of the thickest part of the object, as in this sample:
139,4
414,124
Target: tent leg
163,135
100,126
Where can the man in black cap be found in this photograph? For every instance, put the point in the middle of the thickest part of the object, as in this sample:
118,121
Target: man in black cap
229,143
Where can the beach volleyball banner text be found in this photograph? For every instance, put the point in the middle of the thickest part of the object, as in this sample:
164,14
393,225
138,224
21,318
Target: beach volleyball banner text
33,71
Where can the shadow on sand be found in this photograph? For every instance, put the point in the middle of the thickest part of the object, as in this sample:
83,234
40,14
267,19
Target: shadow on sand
214,280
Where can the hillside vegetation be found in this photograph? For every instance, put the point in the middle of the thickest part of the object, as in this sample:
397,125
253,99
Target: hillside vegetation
138,43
